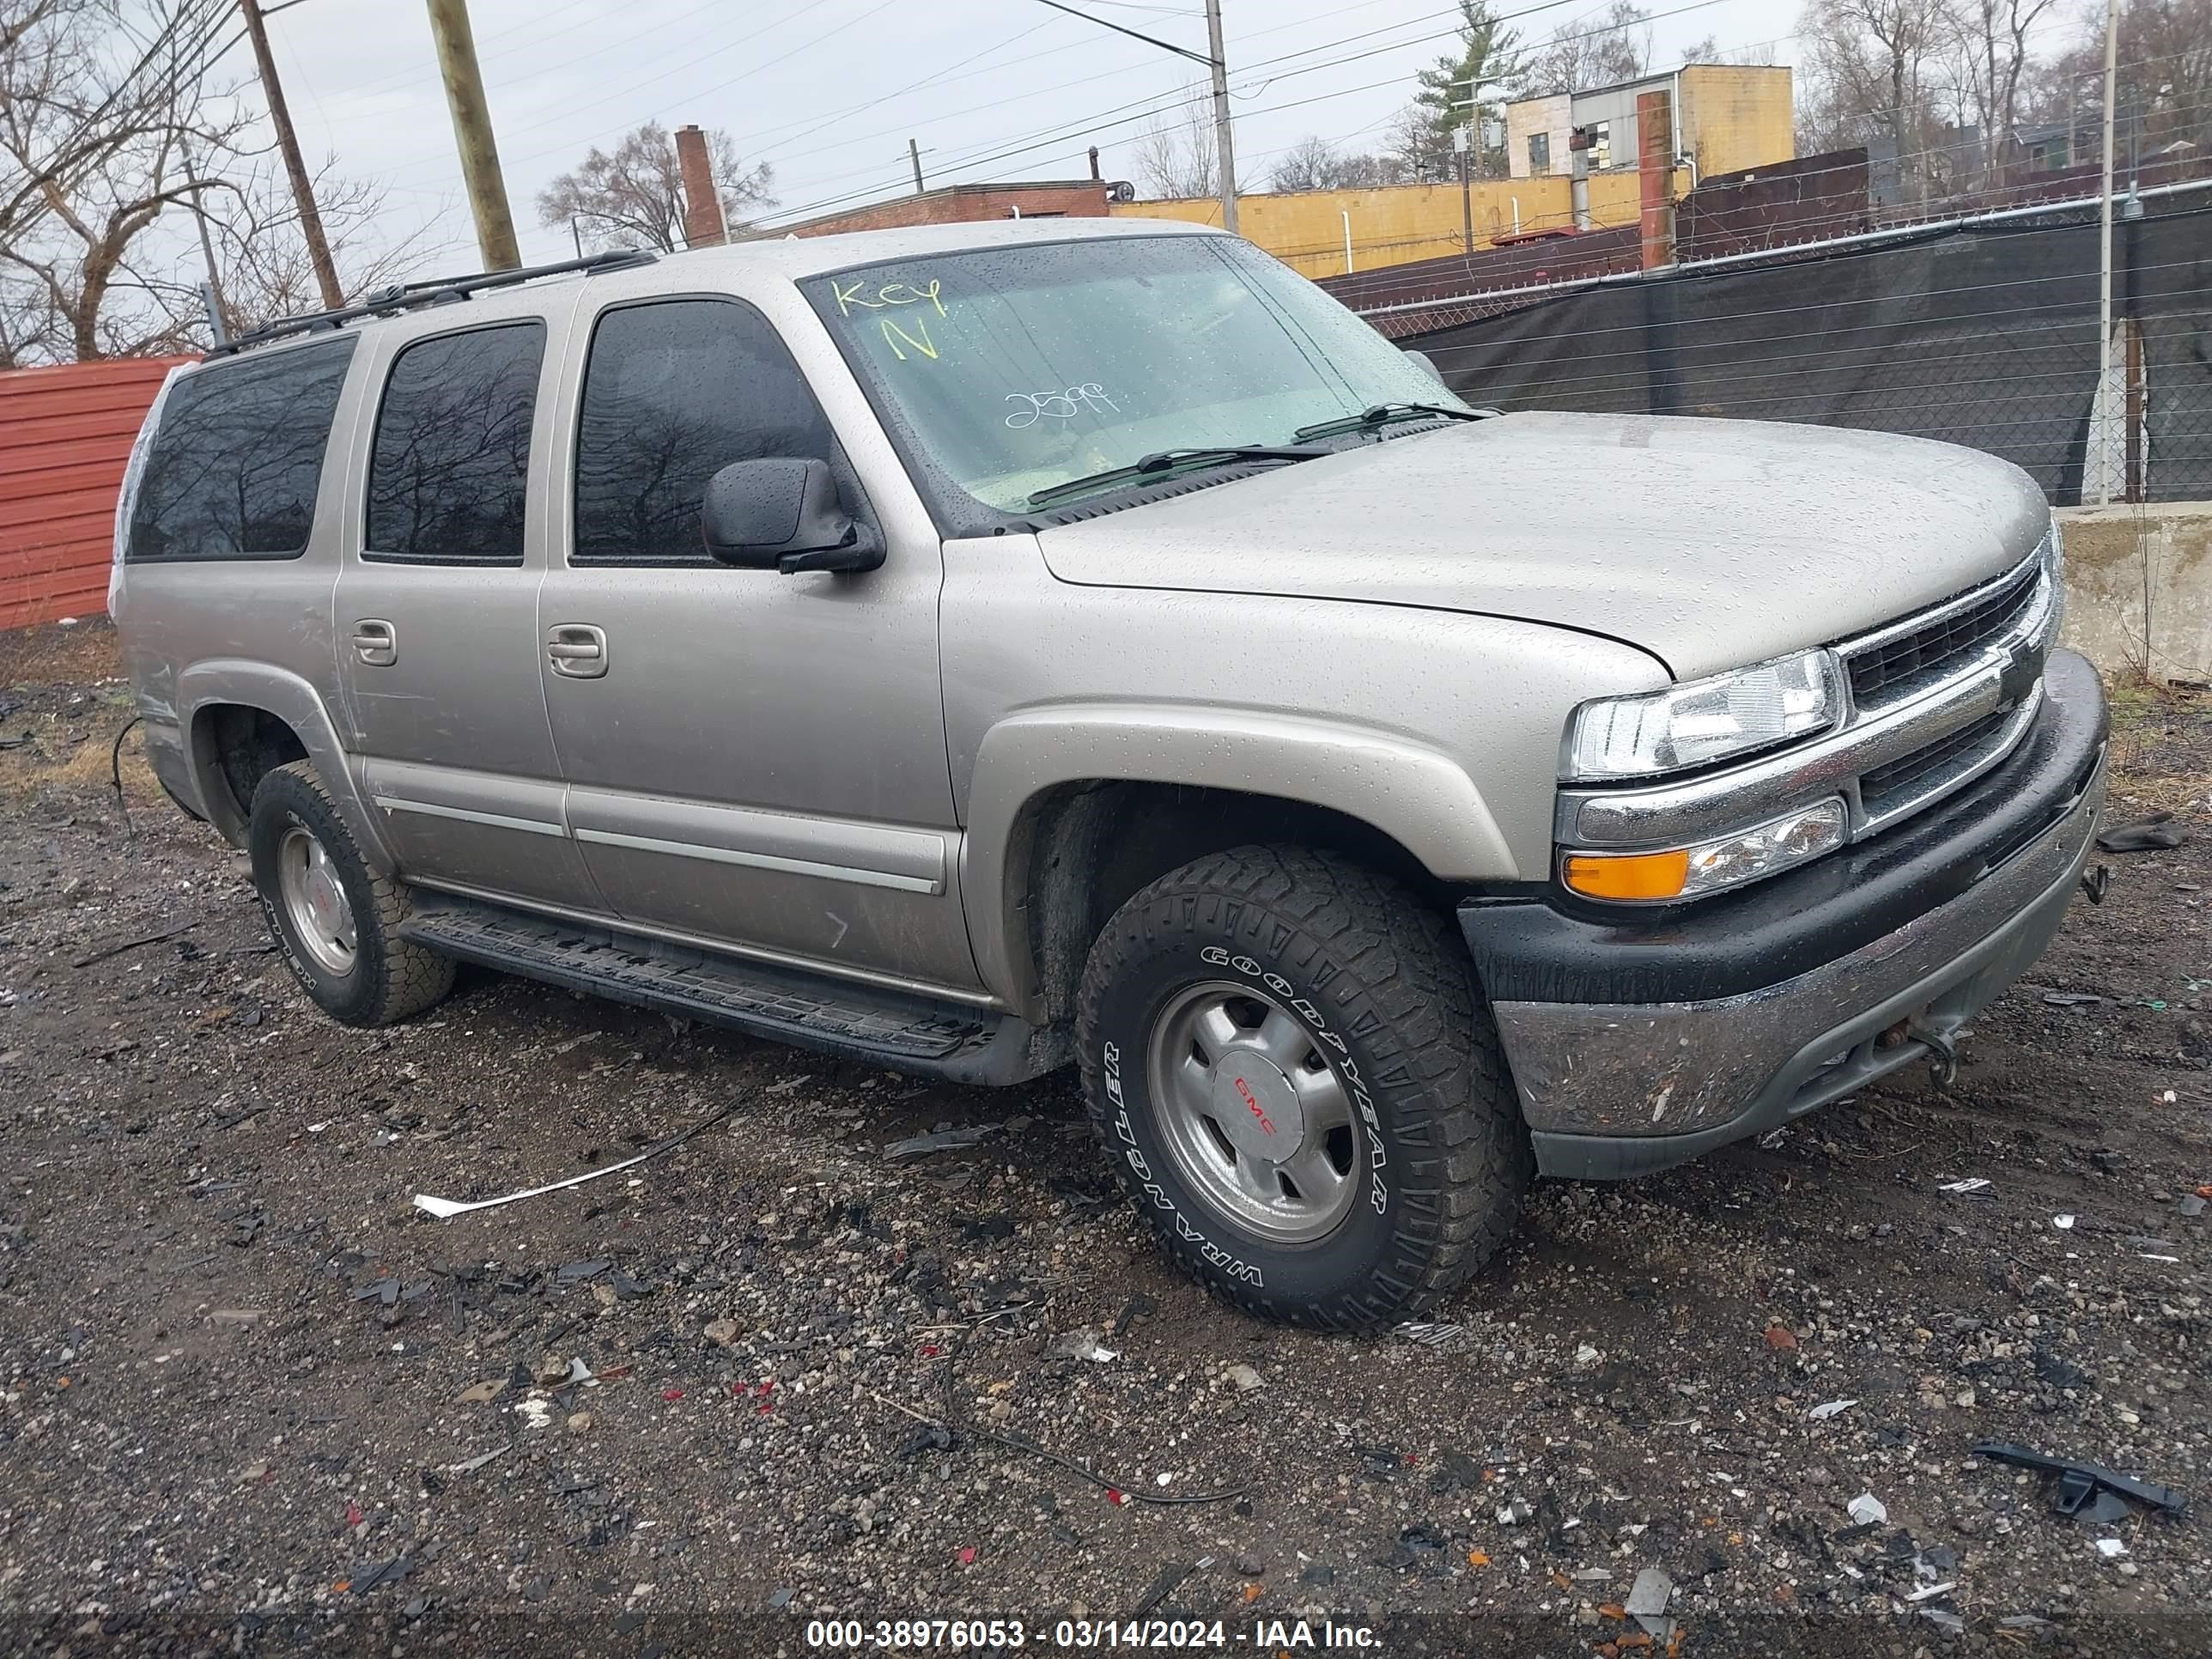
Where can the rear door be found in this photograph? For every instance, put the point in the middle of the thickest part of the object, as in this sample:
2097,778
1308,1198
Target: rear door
436,617
754,760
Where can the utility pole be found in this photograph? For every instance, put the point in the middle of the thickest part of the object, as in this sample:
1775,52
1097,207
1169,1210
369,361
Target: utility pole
1225,146
303,190
913,155
2104,398
211,289
472,135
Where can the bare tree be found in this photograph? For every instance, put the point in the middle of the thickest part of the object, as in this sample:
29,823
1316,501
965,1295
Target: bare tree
1874,69
1175,153
1991,39
2165,77
98,101
264,269
632,196
1314,163
1582,54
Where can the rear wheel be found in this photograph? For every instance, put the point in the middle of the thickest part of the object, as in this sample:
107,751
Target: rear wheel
337,922
1287,1058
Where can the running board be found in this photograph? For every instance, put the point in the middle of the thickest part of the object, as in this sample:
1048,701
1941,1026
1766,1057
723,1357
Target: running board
894,1029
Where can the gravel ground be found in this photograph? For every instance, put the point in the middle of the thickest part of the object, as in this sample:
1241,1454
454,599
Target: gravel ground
250,1399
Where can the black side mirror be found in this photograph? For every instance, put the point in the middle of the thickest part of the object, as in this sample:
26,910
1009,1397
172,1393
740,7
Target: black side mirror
1426,362
783,513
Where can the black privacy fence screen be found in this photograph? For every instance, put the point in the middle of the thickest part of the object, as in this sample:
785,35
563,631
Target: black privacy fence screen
1982,334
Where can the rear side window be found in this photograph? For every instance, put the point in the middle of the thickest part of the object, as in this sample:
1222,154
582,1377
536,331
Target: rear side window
674,392
235,466
450,473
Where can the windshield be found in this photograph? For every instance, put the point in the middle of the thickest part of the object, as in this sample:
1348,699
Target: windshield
1014,369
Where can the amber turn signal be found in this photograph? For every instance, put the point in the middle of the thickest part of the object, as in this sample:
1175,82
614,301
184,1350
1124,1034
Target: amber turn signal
1630,875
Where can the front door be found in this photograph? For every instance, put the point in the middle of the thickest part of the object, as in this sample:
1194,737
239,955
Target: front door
754,759
437,622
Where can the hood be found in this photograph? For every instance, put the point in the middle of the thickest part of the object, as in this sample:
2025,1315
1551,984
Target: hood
1710,544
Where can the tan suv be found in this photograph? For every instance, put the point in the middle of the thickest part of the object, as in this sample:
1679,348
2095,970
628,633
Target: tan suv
977,648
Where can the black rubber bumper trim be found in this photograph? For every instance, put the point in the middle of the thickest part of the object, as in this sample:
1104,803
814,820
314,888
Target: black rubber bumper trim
1528,951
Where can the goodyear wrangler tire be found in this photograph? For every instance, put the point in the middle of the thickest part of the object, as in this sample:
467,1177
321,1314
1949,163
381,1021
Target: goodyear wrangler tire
1300,1087
337,922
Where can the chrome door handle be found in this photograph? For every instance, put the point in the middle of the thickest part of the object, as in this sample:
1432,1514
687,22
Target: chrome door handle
374,643
577,650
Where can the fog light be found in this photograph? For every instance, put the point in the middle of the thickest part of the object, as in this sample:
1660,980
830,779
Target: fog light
1694,871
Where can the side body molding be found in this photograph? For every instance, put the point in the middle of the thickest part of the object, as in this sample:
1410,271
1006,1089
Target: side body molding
1417,795
300,706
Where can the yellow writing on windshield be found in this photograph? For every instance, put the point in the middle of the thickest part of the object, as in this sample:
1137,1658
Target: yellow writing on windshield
919,339
875,296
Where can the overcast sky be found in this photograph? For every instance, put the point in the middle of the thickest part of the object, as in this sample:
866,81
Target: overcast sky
828,91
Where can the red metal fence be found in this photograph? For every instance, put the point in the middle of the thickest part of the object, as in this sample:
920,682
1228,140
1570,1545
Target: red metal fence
65,435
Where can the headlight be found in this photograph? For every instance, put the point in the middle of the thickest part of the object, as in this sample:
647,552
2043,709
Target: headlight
1705,720
1689,872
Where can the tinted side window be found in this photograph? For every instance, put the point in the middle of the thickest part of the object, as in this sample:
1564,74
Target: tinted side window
674,392
451,468
233,469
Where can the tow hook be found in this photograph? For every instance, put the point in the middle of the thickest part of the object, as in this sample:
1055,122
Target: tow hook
2094,883
1943,1057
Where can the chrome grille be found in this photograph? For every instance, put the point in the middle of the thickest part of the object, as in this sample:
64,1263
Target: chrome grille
1882,671
1886,787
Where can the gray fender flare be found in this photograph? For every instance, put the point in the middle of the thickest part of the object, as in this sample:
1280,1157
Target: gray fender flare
1418,795
300,706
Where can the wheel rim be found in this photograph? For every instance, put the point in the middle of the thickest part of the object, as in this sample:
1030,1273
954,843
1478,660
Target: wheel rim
1256,1117
315,901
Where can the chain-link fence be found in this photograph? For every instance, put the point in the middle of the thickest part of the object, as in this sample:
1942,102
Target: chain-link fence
1985,333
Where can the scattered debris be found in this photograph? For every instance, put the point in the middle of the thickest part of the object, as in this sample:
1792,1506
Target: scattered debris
2156,834
2111,1548
388,1572
1083,1345
1442,1336
2083,1486
1514,1511
1647,1603
943,1140
471,1465
1166,1582
1832,1408
1781,1338
1867,1510
237,1316
477,1394
2062,1222
131,944
446,1208
1971,1185
2190,1206
2074,999
537,1413
1245,1378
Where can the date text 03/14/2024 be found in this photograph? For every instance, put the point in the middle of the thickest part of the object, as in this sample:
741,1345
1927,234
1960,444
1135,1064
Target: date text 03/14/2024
1007,1635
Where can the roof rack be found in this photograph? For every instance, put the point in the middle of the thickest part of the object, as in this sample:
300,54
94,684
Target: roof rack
411,296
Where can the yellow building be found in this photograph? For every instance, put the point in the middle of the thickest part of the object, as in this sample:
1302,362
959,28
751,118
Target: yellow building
1324,232
1727,117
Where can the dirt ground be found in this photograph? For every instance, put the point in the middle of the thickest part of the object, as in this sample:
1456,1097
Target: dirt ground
251,1400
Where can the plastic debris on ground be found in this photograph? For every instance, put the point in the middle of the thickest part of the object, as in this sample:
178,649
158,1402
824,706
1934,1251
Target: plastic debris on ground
2086,1490
1083,1345
941,1140
1647,1603
1514,1511
2157,833
1866,1510
2062,1222
1441,1335
2111,1548
1832,1408
446,1208
1972,1185
470,1466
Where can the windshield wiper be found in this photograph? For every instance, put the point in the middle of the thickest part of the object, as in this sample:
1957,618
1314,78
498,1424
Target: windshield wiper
1382,414
1164,461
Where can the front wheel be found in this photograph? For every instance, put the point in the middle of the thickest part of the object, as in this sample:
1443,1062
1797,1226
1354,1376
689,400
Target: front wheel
1287,1059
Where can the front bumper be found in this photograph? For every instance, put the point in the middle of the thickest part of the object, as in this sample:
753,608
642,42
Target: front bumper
1636,1044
